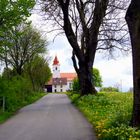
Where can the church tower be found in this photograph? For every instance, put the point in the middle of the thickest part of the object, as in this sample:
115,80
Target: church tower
56,68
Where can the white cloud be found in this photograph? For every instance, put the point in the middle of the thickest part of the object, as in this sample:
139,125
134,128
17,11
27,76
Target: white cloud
117,71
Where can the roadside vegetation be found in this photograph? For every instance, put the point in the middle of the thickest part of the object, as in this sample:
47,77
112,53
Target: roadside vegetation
14,94
109,113
25,69
23,57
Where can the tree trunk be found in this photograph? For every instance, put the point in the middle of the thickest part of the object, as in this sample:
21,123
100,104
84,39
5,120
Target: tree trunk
133,21
84,51
85,80
6,60
31,76
84,72
18,71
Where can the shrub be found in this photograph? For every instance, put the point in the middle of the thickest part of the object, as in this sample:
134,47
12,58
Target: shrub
109,89
75,85
16,91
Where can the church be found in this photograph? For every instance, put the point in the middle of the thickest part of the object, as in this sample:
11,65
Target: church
60,82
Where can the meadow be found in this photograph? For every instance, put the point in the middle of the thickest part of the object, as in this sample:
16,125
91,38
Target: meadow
109,113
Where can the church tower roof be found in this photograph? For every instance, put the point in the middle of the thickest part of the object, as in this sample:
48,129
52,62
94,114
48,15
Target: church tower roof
55,61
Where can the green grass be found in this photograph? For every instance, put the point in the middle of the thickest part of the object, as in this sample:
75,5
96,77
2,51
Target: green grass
4,116
7,114
109,113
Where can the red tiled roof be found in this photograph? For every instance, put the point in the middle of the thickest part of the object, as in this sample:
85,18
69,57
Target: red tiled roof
59,81
55,61
69,76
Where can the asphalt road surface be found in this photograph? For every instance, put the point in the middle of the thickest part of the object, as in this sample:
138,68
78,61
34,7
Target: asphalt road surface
51,118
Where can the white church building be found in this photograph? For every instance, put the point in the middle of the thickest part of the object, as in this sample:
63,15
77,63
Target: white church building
60,82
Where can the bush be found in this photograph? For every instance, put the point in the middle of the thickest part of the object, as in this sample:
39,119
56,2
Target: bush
109,89
75,85
17,92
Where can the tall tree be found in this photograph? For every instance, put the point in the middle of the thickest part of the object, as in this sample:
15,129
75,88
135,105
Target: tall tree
12,13
26,43
89,25
133,21
38,71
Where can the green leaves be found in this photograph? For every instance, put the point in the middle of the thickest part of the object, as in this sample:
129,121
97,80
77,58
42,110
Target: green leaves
12,13
97,79
39,72
25,43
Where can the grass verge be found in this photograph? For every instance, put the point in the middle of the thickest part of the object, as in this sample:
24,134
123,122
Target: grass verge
109,113
7,114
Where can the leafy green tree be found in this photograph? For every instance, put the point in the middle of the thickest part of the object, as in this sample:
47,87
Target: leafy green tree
26,43
96,78
12,13
39,72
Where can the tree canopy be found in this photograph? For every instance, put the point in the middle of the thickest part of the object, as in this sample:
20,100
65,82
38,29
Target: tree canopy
38,71
25,44
12,13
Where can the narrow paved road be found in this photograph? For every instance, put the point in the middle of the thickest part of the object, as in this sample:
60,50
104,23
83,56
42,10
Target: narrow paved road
51,118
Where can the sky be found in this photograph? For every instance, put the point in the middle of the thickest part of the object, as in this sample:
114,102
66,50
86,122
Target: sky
114,72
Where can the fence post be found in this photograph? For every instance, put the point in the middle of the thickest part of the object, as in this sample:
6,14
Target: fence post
3,103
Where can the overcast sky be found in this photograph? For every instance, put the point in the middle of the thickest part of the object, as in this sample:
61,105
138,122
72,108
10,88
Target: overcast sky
113,72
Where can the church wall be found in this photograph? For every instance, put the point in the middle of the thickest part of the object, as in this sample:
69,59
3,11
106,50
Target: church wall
69,85
59,88
56,74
